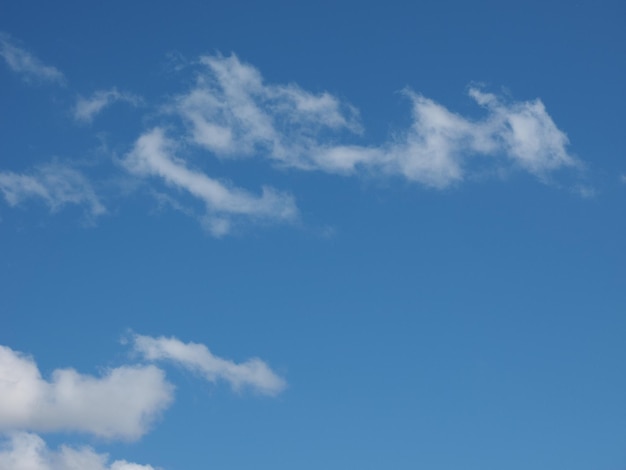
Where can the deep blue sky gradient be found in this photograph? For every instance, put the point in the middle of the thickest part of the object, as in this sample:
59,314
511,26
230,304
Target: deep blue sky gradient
480,326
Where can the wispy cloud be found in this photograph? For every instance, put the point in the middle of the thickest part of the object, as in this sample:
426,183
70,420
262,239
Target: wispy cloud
87,108
253,373
231,112
122,403
27,451
153,155
26,64
525,133
57,185
586,192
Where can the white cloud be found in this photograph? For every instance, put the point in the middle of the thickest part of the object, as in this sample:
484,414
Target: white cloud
524,132
230,111
26,451
122,403
441,146
24,63
253,373
57,185
87,108
153,155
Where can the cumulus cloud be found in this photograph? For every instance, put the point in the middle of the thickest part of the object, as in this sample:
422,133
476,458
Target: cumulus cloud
87,108
232,112
26,451
57,185
122,403
153,155
24,63
253,373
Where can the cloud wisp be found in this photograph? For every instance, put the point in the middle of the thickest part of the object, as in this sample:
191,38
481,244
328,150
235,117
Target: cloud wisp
253,373
231,112
153,155
121,404
27,451
55,184
26,64
86,109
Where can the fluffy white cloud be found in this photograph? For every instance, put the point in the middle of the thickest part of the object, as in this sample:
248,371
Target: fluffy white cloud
57,185
87,108
153,155
122,403
230,111
253,373
26,451
24,63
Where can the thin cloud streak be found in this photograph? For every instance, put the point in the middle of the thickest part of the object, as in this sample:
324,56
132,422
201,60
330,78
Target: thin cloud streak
86,109
55,184
26,64
153,155
253,373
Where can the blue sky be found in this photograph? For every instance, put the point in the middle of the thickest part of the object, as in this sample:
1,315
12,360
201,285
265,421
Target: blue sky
312,235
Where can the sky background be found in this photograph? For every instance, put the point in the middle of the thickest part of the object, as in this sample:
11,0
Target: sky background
412,214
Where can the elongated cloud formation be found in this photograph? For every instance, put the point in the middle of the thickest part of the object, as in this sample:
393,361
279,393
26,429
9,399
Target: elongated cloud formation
440,146
153,155
87,108
253,373
26,451
57,185
26,64
122,403
233,113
